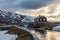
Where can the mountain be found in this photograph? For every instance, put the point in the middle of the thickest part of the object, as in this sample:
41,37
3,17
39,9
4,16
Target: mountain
14,18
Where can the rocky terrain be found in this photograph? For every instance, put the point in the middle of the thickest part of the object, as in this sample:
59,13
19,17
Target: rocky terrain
14,30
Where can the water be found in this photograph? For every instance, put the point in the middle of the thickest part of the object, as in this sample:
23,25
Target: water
37,35
53,35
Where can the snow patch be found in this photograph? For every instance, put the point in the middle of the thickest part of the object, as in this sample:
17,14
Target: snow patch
57,28
4,36
28,19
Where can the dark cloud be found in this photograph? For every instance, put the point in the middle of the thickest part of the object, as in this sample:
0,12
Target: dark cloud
35,3
25,3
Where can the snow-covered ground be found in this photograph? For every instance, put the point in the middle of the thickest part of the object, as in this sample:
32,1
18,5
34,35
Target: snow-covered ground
57,28
28,19
4,36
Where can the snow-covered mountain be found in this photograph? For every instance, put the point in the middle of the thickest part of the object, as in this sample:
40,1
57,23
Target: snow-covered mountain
14,18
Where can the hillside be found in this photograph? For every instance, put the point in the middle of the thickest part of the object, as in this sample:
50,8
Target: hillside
10,18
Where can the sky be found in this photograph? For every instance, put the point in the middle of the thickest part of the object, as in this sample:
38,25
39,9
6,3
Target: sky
26,3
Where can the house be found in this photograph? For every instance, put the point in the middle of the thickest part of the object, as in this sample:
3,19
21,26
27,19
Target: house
41,19
40,22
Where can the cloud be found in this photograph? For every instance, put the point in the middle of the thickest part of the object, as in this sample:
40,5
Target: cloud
25,3
36,3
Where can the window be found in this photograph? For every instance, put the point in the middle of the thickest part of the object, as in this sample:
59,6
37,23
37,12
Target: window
44,19
40,19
